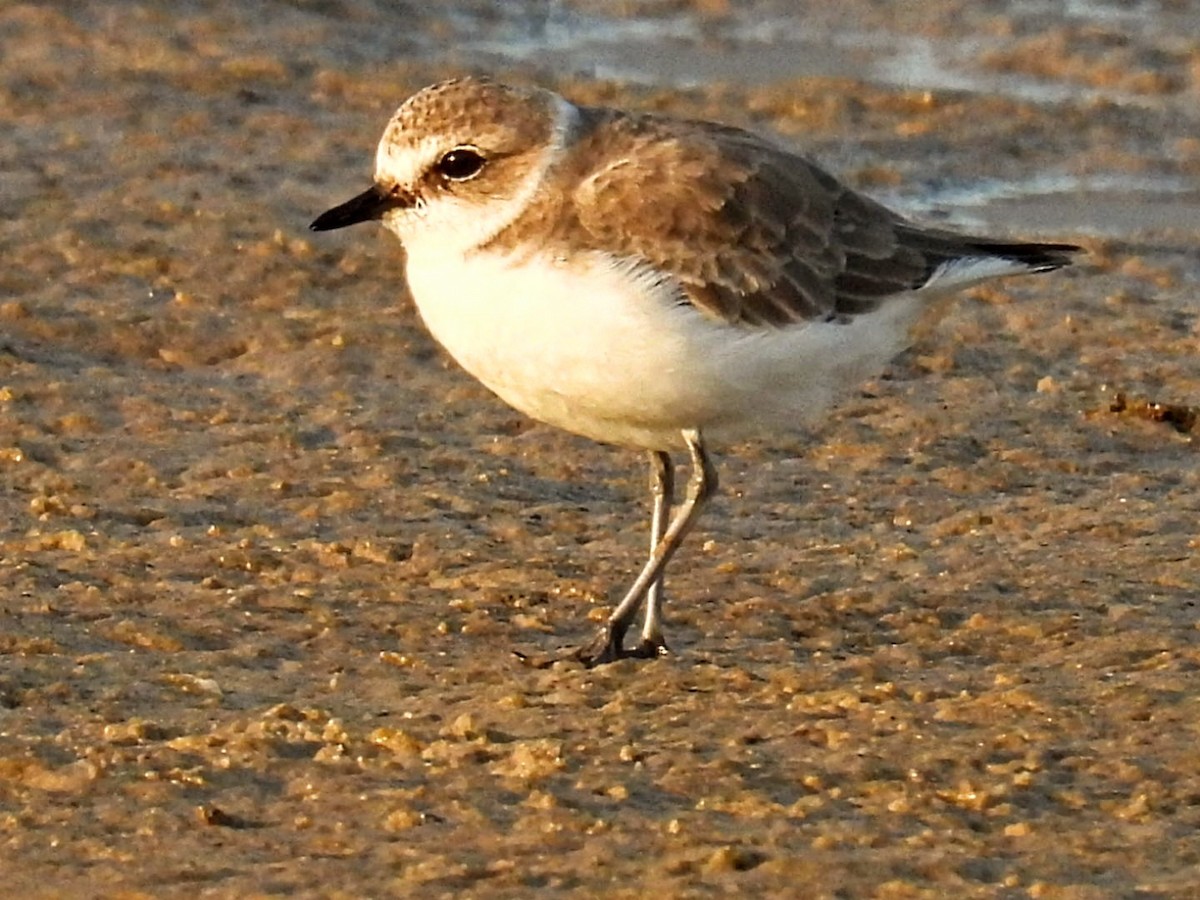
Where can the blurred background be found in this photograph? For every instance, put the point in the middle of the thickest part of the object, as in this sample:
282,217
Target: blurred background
264,551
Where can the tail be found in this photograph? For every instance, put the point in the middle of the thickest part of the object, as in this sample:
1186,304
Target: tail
1031,257
958,261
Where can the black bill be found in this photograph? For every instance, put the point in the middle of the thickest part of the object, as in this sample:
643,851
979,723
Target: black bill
370,204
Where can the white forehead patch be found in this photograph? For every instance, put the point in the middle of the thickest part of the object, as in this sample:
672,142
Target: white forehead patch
404,162
401,160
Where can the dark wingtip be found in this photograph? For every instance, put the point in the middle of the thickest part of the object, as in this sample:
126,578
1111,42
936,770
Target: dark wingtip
1039,257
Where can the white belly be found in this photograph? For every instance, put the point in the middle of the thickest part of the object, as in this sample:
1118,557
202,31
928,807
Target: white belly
596,349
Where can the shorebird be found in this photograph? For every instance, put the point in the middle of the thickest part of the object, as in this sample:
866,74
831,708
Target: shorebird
651,282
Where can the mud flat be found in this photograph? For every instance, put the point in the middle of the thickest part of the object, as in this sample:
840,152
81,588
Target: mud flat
264,551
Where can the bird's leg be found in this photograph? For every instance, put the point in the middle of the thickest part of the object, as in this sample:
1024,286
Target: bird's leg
702,484
662,492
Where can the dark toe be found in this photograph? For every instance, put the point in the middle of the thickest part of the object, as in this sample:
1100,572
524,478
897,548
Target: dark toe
605,647
650,649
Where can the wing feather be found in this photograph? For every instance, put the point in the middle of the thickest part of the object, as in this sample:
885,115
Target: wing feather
752,234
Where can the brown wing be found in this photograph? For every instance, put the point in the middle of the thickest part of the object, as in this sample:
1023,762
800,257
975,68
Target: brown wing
753,234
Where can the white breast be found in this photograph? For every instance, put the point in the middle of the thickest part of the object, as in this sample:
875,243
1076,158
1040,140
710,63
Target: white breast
605,350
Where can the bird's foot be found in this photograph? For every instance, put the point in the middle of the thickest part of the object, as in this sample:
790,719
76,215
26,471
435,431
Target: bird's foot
650,648
606,647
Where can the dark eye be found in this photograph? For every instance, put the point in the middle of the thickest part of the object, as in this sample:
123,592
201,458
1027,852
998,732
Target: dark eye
460,164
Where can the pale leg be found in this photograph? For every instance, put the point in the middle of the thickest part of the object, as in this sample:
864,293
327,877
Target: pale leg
702,484
662,491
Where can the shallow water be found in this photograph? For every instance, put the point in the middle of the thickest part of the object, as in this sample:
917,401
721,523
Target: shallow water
264,551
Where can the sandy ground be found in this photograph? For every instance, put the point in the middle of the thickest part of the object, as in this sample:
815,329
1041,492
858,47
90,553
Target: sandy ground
264,551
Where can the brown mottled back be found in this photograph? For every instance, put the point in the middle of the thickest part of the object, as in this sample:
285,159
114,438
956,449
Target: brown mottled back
753,235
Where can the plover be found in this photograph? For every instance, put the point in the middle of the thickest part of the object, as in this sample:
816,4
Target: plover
652,282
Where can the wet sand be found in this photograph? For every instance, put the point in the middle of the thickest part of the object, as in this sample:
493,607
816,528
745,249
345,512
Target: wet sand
264,551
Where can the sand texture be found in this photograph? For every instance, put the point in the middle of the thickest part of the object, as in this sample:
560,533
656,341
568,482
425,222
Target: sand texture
265,551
